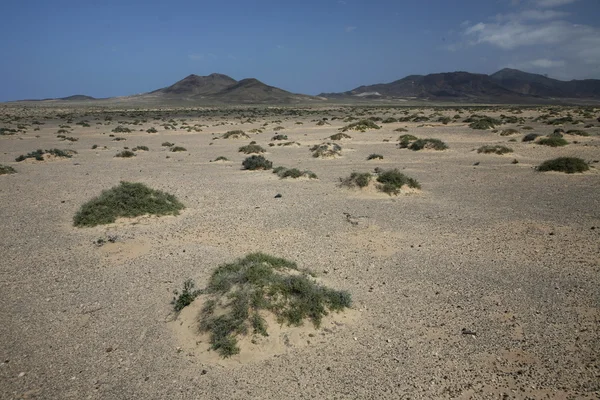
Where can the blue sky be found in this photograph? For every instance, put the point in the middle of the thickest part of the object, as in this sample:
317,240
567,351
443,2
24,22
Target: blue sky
102,48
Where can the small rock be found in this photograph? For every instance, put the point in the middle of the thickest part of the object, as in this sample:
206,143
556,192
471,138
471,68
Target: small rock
109,349
204,372
278,196
22,374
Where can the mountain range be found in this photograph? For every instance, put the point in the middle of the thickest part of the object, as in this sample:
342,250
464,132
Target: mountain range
504,86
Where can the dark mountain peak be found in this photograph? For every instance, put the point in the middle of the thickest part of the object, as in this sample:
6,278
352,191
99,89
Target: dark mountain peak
76,97
194,85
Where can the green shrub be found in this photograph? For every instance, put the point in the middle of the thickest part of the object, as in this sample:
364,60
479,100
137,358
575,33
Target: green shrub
433,144
326,150
167,144
357,179
294,173
553,141
279,137
278,128
497,149
127,200
567,165
7,169
256,162
256,284
508,132
236,134
186,297
530,137
375,157
142,148
577,132
389,120
151,130
121,129
220,158
251,148
482,122
392,181
340,136
38,155
362,126
178,148
406,140
125,154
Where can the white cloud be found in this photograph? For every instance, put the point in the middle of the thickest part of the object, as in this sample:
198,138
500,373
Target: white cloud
531,15
539,64
350,28
552,3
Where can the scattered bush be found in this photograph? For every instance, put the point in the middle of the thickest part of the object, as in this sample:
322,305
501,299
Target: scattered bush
127,200
151,130
375,157
482,122
236,134
508,132
94,147
530,137
220,158
527,128
186,297
167,144
141,148
125,154
432,144
177,148
356,179
340,136
7,169
553,141
497,149
401,130
39,154
121,129
278,128
362,126
251,148
8,131
406,140
569,165
577,132
279,137
326,150
392,181
283,172
257,162
389,120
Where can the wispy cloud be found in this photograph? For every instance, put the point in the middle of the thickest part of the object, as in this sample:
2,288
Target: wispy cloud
552,3
350,29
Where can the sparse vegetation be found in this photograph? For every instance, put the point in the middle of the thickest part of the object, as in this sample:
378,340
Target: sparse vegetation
361,126
530,137
121,129
508,132
151,130
236,134
577,132
326,150
356,179
177,148
406,140
295,173
127,200
251,148
141,148
220,158
497,149
256,162
280,137
239,293
125,154
391,181
568,165
7,169
38,155
428,144
375,157
167,144
553,141
340,136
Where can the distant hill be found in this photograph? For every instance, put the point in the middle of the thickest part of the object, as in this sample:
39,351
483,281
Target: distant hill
224,89
507,85
77,97
540,85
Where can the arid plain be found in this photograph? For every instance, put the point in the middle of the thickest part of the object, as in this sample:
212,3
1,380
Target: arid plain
482,284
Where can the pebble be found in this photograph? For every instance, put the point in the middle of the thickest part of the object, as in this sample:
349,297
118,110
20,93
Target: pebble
22,374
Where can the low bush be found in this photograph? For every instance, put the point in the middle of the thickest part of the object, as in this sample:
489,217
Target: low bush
121,129
577,132
7,169
569,165
167,144
375,157
125,154
361,126
220,158
127,200
280,137
251,148
38,155
239,293
326,150
340,136
236,134
391,181
530,137
497,149
430,144
406,140
151,130
508,132
178,148
357,179
256,162
283,172
553,141
141,148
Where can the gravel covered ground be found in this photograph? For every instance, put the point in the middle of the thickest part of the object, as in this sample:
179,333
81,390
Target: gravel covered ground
484,284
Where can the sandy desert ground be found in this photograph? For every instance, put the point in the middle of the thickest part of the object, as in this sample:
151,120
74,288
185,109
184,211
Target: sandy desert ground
485,284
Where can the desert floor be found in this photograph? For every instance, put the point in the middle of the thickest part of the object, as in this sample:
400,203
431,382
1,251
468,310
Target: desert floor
484,284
